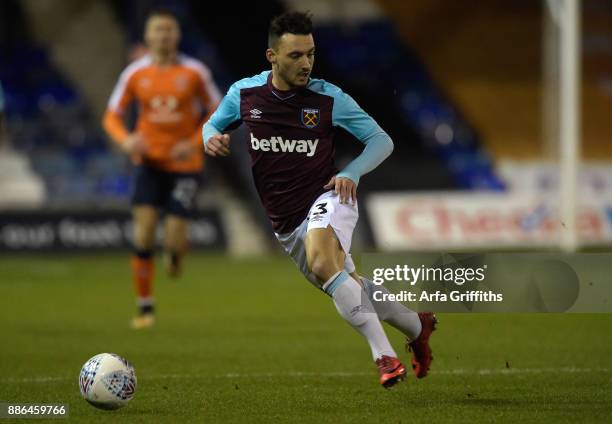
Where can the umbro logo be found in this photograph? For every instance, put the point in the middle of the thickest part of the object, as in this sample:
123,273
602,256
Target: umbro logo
255,113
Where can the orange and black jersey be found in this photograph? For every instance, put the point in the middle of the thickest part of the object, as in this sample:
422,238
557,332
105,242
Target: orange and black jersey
173,101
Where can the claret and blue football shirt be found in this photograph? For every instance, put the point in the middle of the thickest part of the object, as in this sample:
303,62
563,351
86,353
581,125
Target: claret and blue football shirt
291,141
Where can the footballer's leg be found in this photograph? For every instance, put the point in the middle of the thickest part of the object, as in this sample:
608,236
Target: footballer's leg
175,243
179,206
416,326
325,258
145,222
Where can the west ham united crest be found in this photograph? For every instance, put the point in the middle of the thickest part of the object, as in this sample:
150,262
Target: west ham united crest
310,117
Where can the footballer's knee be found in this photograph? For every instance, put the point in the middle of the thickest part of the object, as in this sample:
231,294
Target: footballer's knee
145,224
324,254
175,234
323,267
145,238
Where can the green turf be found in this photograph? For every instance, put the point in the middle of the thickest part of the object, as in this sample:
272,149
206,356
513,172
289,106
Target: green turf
250,341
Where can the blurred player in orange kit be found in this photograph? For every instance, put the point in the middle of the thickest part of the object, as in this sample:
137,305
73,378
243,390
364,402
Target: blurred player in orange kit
175,94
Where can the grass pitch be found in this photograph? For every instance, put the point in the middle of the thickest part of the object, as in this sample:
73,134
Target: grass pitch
252,341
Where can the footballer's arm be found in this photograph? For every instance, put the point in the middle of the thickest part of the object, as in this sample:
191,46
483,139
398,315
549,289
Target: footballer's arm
377,148
226,116
378,145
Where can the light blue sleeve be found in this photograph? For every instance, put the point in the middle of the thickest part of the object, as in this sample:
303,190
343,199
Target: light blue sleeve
228,112
349,115
377,148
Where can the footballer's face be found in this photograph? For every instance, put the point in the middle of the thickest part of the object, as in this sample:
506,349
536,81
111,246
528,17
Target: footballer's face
162,34
292,59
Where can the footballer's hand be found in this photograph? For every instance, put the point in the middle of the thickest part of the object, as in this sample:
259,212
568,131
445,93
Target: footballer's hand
344,187
218,145
182,150
133,145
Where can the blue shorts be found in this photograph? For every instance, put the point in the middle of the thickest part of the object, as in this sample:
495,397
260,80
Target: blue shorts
172,192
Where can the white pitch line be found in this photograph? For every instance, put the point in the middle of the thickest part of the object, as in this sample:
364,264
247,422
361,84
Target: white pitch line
509,371
31,379
298,374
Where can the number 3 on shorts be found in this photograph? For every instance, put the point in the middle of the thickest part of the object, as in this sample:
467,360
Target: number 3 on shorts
319,211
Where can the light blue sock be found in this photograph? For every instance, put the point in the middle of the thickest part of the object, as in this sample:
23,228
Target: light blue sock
354,306
392,312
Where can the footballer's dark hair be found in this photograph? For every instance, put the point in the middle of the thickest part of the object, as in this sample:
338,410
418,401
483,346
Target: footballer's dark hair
162,11
299,23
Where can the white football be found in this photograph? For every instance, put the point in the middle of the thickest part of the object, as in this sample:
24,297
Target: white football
107,381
